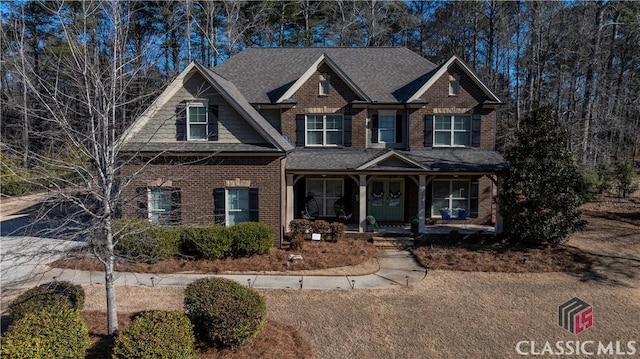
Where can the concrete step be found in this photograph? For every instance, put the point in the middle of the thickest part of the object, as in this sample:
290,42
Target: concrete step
392,242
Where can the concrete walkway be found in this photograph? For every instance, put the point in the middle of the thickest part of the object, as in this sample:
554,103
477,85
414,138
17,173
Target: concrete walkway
397,267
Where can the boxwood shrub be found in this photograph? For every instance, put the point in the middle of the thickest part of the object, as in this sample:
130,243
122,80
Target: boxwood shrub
50,333
156,334
207,242
251,238
141,240
54,295
224,313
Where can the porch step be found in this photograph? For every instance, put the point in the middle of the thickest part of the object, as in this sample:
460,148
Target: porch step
392,242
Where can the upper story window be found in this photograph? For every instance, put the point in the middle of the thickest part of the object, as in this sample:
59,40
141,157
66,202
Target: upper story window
452,130
324,86
197,121
386,126
454,85
324,130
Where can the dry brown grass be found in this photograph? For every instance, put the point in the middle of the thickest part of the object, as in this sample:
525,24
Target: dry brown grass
317,256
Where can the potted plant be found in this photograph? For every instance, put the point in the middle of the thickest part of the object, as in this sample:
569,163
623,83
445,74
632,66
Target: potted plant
371,222
414,224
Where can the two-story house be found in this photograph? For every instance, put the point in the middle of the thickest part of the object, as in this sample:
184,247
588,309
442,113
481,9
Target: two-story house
274,134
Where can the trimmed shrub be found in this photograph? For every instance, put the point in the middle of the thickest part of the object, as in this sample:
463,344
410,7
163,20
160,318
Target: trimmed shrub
224,313
47,334
296,241
141,240
54,295
251,238
207,242
157,334
299,226
336,231
320,226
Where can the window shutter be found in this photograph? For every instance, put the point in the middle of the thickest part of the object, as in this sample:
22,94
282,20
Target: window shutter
141,202
300,129
476,125
399,126
219,206
374,128
474,199
212,122
181,122
253,205
428,200
346,128
428,130
176,204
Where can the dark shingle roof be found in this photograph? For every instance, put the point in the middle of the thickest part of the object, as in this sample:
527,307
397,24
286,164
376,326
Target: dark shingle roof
446,160
196,146
385,74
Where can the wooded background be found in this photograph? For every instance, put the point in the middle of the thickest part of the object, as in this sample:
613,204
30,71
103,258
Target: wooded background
582,57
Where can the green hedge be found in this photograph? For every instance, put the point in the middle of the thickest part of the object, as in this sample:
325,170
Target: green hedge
207,242
47,334
251,238
56,295
141,240
225,313
156,334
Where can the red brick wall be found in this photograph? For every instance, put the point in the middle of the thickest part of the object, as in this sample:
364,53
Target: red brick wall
340,96
470,97
197,182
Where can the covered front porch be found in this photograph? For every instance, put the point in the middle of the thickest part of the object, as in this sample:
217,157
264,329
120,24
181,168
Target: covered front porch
385,191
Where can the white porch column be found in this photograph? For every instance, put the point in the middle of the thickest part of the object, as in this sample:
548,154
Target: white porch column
422,195
499,223
362,201
290,209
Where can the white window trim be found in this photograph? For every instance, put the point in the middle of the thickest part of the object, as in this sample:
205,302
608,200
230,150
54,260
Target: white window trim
382,113
206,122
452,131
324,191
435,212
150,210
454,88
324,80
324,130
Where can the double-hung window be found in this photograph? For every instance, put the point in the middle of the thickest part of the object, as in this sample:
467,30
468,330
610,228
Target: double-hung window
325,192
324,130
197,121
162,205
237,205
452,130
386,126
450,194
234,205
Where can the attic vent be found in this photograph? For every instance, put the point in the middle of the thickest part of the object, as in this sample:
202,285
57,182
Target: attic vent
323,88
454,85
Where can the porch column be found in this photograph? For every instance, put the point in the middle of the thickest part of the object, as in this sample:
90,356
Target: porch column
362,201
290,210
422,195
499,223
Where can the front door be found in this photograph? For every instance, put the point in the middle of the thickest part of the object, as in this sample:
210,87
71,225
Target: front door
386,199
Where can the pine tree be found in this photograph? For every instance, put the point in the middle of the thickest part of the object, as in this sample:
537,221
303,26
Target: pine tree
543,189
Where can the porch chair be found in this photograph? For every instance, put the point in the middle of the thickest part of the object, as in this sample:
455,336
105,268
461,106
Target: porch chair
341,210
311,209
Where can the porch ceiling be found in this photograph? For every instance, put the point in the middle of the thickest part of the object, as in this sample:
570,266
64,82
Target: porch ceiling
436,160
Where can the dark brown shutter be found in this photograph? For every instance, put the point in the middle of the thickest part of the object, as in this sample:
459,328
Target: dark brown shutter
300,129
141,202
176,206
181,122
219,206
428,130
253,205
474,199
374,128
399,127
212,123
476,126
347,128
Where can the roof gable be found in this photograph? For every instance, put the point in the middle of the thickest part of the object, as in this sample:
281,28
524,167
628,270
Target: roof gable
323,59
390,159
225,89
442,70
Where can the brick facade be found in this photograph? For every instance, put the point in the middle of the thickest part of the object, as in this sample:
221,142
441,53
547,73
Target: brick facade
197,182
